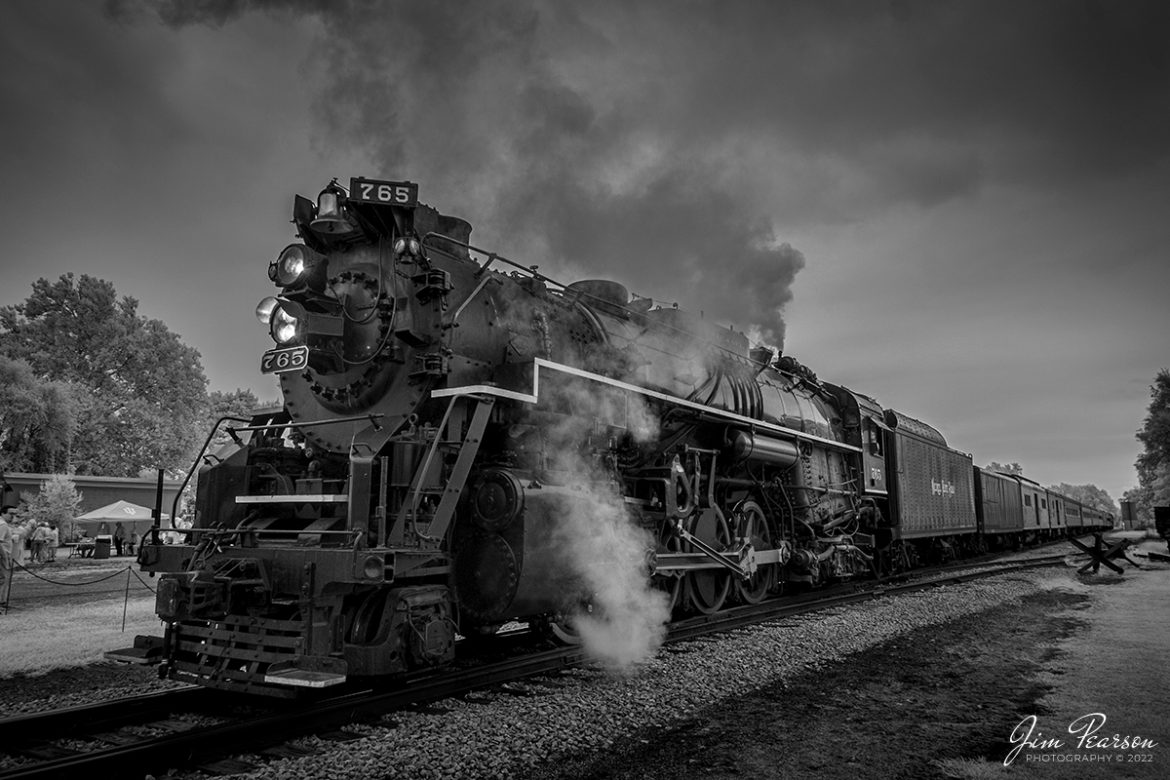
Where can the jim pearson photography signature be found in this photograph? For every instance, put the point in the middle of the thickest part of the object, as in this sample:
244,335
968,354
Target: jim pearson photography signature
1086,743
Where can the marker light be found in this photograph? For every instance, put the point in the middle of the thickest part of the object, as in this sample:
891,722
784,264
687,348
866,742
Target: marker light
265,308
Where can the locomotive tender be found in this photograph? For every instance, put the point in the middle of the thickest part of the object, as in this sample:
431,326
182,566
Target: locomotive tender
452,420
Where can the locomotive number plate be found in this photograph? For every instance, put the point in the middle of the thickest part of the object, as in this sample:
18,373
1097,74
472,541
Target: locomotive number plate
391,193
276,361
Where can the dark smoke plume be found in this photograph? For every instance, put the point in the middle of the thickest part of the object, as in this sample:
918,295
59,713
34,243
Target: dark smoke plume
506,115
665,144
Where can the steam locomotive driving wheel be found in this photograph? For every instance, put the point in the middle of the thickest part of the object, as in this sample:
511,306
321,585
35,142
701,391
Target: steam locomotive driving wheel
751,524
707,589
670,584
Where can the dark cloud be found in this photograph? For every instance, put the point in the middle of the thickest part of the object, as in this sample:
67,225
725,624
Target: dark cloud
665,144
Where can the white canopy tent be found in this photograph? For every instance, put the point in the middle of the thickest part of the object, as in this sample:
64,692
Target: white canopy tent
105,520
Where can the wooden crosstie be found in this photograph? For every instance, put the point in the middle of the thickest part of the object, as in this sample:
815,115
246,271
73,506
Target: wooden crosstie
1100,554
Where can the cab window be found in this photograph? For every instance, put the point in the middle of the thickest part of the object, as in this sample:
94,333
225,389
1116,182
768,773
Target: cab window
874,436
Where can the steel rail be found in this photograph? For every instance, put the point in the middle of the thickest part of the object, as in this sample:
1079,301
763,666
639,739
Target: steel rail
29,729
200,743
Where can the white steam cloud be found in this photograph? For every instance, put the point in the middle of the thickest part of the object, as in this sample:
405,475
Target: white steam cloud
604,547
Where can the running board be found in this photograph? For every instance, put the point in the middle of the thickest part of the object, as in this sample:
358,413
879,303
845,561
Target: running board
147,650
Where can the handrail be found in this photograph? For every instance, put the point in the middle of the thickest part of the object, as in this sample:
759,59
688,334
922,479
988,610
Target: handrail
373,418
194,467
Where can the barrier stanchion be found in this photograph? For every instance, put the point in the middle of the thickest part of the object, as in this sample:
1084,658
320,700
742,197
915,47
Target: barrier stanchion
8,585
126,600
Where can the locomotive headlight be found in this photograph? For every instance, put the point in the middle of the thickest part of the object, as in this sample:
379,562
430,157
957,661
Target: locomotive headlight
400,247
283,326
290,265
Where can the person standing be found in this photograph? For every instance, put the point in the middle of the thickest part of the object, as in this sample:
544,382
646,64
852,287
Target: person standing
5,554
53,541
20,532
40,538
119,538
30,528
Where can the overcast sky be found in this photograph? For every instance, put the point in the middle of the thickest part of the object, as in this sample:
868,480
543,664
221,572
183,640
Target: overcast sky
959,208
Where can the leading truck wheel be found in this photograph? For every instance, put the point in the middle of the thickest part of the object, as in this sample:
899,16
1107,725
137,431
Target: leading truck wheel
707,589
563,631
562,627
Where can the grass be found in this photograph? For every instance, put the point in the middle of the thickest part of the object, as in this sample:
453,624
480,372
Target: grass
56,635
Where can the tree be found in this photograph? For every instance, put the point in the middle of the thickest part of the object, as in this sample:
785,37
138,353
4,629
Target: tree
37,419
140,392
1153,464
1012,468
57,503
1089,495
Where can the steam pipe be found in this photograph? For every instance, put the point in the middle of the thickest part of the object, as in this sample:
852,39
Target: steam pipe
751,446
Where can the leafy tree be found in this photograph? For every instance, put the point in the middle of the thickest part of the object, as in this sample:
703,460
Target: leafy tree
1012,468
1153,464
1089,495
57,503
1155,432
37,419
140,391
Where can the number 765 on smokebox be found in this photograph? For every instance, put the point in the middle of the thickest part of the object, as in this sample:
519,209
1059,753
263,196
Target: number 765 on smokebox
392,193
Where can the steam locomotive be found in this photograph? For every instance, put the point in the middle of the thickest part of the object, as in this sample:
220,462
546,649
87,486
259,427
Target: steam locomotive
457,427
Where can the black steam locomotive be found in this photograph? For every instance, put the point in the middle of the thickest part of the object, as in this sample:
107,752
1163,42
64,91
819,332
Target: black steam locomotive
462,439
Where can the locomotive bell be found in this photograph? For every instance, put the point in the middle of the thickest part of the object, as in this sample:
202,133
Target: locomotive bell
331,213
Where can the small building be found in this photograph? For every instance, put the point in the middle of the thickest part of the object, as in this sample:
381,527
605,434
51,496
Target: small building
96,492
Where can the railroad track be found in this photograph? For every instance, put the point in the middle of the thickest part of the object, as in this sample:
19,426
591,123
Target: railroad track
131,737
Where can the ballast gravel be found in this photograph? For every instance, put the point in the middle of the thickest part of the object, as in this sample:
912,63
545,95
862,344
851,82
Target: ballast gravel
581,711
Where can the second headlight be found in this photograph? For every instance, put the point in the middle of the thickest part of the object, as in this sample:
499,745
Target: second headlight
283,326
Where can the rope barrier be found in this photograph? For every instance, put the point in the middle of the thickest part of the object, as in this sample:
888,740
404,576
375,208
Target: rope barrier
24,568
16,565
